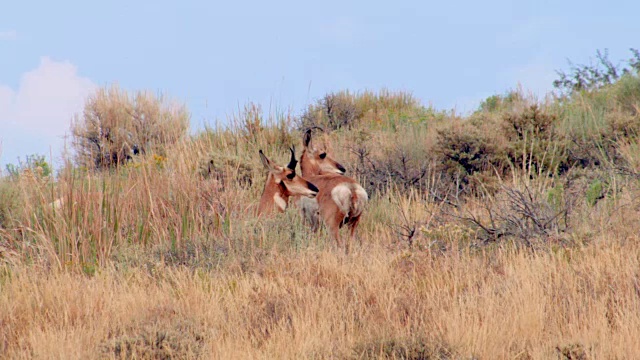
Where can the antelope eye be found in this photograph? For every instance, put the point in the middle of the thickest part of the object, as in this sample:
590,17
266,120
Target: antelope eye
323,155
291,176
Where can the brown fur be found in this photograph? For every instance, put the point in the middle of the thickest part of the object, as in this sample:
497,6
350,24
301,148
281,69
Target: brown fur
326,173
278,184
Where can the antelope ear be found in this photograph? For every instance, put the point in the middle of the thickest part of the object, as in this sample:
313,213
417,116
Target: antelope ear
265,161
306,140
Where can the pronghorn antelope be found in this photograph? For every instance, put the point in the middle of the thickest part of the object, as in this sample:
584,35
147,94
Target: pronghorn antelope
340,201
282,182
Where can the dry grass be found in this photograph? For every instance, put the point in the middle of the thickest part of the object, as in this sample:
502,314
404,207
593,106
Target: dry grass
319,304
164,258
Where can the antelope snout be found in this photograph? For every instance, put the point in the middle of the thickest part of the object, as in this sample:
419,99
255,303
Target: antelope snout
314,190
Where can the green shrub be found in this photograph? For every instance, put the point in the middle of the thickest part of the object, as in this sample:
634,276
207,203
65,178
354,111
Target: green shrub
462,151
533,141
35,163
507,101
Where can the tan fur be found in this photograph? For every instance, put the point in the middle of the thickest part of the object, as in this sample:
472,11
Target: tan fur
278,188
340,200
281,203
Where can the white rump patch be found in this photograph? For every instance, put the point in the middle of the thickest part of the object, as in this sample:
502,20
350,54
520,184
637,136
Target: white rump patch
362,198
341,195
280,202
361,193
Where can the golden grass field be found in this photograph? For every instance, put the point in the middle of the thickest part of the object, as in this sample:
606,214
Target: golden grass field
165,259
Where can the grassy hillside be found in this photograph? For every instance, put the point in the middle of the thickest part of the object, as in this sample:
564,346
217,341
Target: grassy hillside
512,232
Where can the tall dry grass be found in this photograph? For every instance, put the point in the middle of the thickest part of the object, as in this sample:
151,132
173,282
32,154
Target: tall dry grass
375,303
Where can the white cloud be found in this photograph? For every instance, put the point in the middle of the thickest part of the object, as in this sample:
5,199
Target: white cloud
46,98
8,35
35,116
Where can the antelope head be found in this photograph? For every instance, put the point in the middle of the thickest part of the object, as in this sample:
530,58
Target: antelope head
315,159
283,182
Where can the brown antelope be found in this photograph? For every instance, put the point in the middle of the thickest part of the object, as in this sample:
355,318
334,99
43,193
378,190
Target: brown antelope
340,201
282,182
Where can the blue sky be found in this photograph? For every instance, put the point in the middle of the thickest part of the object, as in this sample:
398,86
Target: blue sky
216,56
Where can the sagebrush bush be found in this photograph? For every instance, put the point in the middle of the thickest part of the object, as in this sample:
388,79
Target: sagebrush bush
508,101
228,169
533,141
334,111
114,126
463,151
403,161
348,110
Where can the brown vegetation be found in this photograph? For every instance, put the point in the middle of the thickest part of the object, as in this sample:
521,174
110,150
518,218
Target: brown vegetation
508,233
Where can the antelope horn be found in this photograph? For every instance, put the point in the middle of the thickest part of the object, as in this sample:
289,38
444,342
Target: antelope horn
293,162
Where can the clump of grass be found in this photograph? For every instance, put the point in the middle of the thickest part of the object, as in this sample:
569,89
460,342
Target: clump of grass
9,201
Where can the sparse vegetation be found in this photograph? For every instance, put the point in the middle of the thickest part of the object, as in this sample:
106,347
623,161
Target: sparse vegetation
509,233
